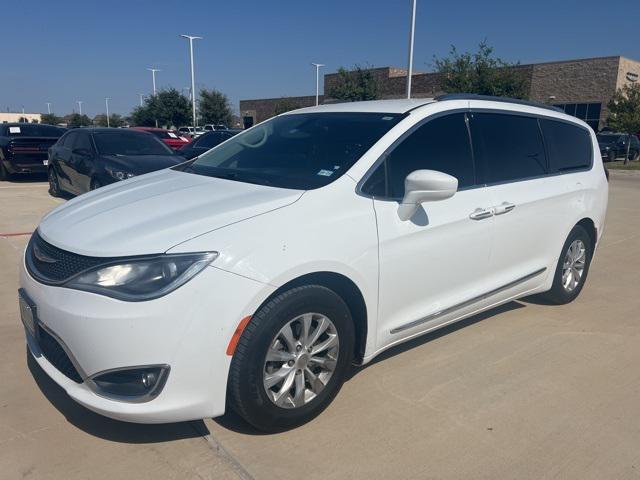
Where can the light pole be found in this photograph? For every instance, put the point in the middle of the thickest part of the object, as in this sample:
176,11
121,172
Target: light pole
317,65
191,38
106,102
153,78
412,28
49,108
141,98
80,106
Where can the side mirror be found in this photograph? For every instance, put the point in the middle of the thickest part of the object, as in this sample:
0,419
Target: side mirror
425,186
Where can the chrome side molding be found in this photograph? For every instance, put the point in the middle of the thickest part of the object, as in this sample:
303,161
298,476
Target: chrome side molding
466,303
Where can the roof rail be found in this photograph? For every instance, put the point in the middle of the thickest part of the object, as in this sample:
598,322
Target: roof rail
474,96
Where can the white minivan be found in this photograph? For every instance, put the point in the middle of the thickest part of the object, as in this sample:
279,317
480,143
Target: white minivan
254,275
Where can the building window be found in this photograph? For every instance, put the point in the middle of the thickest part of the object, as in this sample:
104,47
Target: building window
589,112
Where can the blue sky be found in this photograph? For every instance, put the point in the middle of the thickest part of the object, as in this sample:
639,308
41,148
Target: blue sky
66,50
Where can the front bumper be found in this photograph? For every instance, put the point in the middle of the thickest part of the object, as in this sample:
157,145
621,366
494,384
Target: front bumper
189,330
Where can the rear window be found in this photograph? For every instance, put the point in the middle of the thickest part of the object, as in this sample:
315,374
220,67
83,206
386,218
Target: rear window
129,143
569,146
33,130
508,147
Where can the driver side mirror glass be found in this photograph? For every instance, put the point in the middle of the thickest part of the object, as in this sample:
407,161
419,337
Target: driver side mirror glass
425,186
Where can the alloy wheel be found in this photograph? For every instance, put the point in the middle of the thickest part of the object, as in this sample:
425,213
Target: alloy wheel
575,260
300,360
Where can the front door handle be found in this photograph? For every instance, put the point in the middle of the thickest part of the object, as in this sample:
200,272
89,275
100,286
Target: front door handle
504,207
481,213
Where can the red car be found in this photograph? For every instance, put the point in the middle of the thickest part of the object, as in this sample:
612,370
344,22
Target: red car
170,137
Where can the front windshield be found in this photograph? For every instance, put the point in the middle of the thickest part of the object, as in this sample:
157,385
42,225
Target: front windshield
300,151
129,143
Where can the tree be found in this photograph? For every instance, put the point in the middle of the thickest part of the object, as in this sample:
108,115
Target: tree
169,107
214,107
285,105
115,120
624,112
481,73
51,118
75,120
355,85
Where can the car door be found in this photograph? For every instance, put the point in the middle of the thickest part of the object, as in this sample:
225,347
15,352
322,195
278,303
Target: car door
432,266
62,158
83,160
511,160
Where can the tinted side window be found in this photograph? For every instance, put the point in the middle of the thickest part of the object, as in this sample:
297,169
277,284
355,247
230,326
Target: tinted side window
210,140
83,141
441,144
507,147
569,146
70,139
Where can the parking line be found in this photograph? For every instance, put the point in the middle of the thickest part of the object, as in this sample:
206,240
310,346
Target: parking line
15,234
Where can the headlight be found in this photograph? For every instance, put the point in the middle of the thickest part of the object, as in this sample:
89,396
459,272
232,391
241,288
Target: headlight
143,278
119,174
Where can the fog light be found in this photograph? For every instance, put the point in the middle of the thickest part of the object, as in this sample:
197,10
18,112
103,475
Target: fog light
136,384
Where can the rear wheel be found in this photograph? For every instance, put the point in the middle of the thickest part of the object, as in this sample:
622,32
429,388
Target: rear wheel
634,155
292,358
572,268
4,174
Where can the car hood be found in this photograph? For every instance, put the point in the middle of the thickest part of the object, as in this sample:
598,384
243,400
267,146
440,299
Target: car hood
140,164
152,213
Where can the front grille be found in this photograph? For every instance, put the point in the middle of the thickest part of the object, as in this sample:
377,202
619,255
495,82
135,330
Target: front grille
56,355
49,264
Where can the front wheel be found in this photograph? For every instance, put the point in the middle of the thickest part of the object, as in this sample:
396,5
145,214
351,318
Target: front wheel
612,156
292,358
54,183
572,268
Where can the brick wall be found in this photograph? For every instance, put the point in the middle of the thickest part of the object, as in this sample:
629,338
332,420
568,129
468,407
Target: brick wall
264,108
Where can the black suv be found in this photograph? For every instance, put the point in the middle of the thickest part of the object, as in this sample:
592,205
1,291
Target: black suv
614,145
23,147
88,158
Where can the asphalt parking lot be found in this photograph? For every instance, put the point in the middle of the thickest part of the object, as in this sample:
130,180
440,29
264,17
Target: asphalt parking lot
523,391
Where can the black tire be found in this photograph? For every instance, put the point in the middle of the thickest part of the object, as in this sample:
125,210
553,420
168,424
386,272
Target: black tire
558,294
4,174
54,183
247,394
612,156
633,156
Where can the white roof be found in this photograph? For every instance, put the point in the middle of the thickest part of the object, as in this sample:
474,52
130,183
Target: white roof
374,106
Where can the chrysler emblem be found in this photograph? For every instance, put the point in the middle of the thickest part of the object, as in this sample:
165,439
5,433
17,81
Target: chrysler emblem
43,257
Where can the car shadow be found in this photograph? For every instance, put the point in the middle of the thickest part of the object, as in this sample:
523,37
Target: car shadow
28,178
106,428
237,424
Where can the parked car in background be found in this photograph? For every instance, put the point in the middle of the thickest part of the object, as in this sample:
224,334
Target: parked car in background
614,145
253,276
206,142
191,131
170,137
211,127
24,146
88,158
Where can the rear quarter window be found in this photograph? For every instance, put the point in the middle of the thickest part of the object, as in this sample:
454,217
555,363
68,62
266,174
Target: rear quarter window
569,146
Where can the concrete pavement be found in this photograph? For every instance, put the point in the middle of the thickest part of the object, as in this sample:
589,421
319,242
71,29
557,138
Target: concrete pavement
523,391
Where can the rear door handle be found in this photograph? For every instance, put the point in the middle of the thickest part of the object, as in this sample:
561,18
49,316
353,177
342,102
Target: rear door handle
481,213
504,207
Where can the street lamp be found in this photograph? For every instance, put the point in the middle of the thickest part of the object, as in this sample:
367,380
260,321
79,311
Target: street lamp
80,106
49,108
153,77
317,65
412,27
106,102
191,38
141,98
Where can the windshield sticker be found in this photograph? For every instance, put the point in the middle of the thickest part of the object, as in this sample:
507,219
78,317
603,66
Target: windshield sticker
172,135
14,129
325,173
